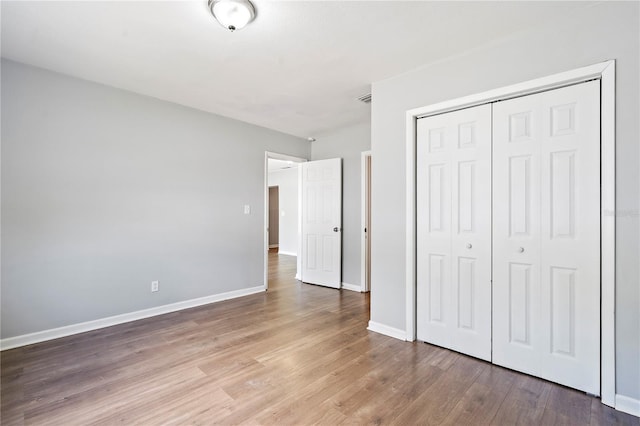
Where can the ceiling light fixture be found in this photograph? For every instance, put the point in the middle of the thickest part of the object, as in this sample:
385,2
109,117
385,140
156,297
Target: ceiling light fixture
232,14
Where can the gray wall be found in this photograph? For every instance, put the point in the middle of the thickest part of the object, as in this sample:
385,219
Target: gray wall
347,143
104,191
609,30
287,182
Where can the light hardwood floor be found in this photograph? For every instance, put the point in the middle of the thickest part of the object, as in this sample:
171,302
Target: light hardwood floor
298,354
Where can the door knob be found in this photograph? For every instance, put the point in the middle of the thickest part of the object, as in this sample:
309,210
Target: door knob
521,250
336,229
469,245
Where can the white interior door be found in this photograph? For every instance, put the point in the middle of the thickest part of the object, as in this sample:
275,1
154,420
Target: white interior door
321,215
454,230
546,261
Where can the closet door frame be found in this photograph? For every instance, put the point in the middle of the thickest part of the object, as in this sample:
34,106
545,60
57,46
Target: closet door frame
605,72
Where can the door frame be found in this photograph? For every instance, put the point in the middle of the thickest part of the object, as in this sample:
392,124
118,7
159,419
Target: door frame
365,206
605,72
276,156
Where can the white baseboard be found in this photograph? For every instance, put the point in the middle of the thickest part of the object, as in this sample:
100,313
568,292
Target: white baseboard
387,331
56,333
628,405
273,245
288,253
352,287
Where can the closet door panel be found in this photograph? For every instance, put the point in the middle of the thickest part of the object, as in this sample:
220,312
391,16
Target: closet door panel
433,202
454,230
517,128
546,166
570,236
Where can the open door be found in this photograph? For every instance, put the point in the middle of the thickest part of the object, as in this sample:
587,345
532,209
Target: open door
321,214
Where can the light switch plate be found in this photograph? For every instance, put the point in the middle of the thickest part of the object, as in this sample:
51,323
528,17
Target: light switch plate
247,209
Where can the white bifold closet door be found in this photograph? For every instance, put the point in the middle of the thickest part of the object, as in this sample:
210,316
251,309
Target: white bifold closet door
546,235
454,230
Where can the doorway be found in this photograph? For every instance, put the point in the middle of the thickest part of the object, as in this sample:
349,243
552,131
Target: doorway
535,268
281,224
605,72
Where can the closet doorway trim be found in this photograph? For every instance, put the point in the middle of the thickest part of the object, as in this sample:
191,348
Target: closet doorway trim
605,72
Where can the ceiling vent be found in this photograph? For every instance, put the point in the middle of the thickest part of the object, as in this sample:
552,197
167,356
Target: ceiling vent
365,98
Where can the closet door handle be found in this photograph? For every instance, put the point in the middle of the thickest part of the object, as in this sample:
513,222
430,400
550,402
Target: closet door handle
469,245
521,250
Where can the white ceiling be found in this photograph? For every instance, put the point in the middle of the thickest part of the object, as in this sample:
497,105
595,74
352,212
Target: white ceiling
297,68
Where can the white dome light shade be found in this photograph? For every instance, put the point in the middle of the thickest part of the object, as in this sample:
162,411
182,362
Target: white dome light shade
232,14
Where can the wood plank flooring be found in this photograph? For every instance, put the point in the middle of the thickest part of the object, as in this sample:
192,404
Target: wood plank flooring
298,354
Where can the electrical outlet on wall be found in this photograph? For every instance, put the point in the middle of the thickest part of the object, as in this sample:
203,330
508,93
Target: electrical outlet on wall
155,286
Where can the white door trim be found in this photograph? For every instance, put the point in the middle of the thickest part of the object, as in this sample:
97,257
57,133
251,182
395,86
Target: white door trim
605,71
363,220
277,156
